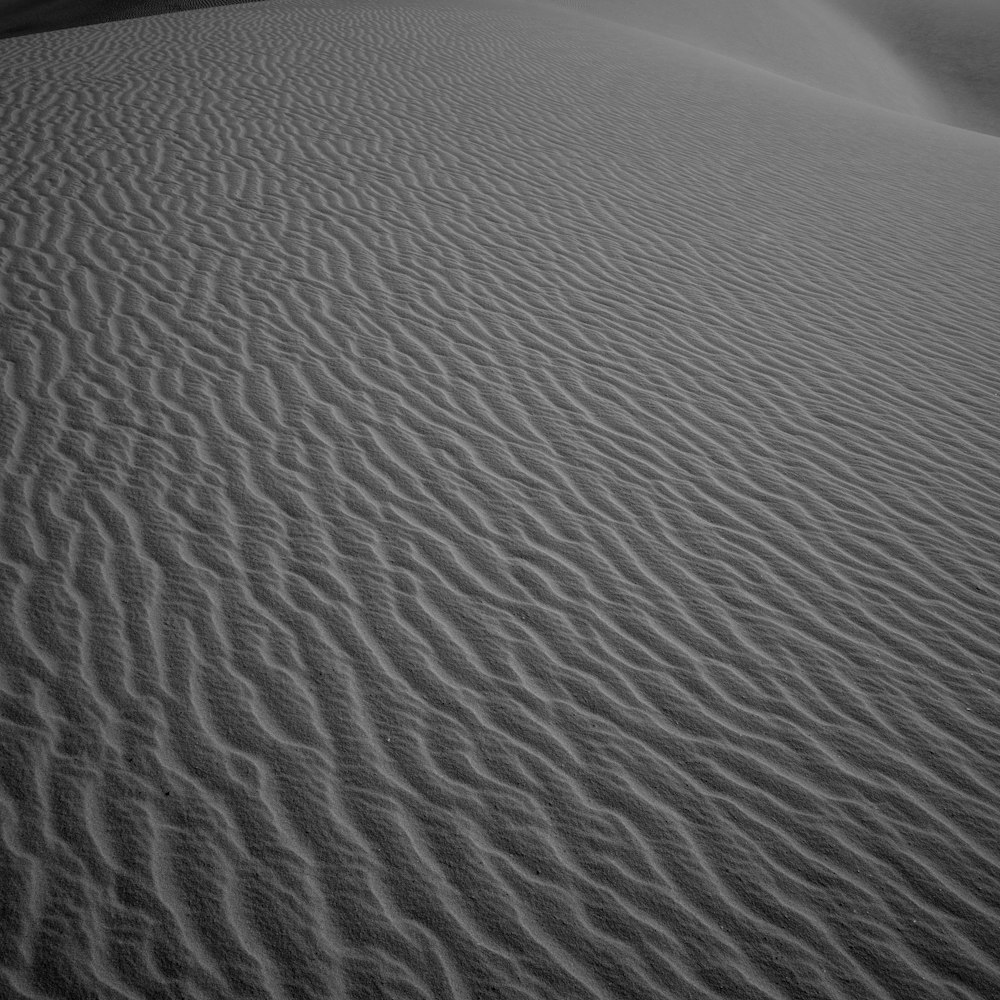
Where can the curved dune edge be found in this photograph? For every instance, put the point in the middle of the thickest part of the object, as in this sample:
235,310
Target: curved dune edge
492,505
931,58
809,41
953,44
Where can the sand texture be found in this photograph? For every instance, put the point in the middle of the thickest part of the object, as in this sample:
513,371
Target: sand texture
953,44
494,503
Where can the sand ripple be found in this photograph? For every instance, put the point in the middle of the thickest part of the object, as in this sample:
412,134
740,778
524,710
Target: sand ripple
492,505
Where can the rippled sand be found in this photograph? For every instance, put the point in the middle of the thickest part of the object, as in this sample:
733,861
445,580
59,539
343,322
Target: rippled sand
494,503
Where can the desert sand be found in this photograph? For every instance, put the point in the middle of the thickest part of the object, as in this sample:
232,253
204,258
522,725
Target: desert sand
499,500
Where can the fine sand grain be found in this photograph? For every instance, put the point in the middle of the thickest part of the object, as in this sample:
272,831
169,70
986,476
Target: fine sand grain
495,503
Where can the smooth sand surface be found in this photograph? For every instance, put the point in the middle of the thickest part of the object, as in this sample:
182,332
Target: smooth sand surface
953,44
494,503
810,41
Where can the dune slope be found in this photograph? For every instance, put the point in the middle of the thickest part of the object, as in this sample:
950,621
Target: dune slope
493,504
954,45
809,41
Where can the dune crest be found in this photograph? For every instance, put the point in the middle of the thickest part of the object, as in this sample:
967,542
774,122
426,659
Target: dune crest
810,41
953,44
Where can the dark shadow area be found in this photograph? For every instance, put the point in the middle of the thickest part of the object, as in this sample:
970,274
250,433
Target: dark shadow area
26,17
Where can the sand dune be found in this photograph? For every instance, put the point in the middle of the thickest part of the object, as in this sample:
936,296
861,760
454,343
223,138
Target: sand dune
494,503
953,44
810,41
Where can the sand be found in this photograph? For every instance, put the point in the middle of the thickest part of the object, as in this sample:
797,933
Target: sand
954,45
497,501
